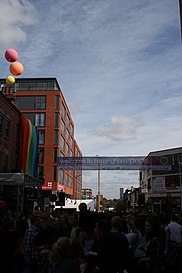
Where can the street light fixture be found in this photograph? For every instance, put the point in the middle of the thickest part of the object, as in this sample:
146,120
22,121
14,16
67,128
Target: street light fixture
98,187
180,182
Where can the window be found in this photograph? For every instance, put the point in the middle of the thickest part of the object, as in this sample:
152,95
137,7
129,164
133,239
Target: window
55,173
72,129
40,171
40,155
71,182
63,111
1,122
67,134
40,102
30,102
56,137
40,119
62,126
41,138
67,179
37,84
62,142
57,98
55,154
62,177
67,150
7,127
56,120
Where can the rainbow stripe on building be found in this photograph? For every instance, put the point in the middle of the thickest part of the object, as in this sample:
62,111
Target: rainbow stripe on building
28,147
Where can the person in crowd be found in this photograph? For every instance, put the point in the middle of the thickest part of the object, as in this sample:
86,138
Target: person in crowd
64,228
22,226
74,222
30,243
173,233
48,232
155,248
61,260
139,244
117,229
110,252
8,243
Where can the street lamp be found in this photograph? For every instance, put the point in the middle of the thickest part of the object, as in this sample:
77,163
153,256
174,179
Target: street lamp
98,187
180,182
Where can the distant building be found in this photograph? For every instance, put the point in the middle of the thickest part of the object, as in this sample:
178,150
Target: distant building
87,193
162,189
121,193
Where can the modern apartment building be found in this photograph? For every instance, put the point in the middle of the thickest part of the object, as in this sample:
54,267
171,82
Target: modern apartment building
42,102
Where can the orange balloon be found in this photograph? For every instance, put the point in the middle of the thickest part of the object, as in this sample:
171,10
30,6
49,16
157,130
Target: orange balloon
16,68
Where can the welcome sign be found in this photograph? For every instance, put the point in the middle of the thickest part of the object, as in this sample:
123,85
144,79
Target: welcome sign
114,163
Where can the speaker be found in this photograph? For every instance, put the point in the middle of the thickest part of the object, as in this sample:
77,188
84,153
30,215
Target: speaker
61,198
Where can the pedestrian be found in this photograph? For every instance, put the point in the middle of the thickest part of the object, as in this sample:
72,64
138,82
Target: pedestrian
30,243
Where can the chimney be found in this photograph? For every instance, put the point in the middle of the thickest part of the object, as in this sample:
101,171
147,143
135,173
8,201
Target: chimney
8,92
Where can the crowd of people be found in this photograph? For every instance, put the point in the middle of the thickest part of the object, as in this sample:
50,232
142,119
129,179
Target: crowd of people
91,242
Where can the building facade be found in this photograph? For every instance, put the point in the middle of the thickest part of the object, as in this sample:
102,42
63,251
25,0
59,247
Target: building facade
9,134
41,101
163,188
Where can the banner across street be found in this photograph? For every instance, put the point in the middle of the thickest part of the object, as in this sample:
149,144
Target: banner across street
114,163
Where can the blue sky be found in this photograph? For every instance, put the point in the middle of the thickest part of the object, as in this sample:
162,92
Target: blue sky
119,66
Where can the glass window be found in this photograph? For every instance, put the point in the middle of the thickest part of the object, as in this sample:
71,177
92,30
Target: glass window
55,174
40,102
55,154
72,129
37,84
62,126
62,142
41,135
63,110
40,119
57,98
40,155
56,137
71,182
40,171
67,150
30,102
30,116
56,120
67,179
67,134
62,177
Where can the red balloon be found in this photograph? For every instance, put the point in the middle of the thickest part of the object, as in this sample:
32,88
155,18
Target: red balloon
11,55
16,68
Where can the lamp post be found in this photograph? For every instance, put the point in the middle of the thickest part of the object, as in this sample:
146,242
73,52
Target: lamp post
180,182
98,187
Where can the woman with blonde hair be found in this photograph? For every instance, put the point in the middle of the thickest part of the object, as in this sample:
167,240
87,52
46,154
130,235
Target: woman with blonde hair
61,260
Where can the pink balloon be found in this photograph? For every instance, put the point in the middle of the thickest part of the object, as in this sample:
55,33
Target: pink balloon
11,55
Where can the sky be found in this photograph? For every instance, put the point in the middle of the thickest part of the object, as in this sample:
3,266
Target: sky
118,64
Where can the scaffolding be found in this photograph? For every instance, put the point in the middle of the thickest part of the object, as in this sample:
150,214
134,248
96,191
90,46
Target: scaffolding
13,187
